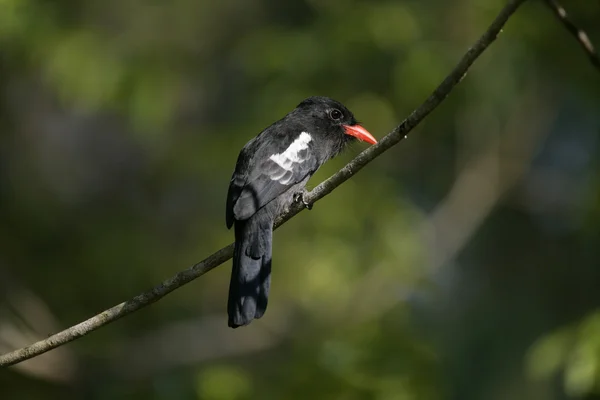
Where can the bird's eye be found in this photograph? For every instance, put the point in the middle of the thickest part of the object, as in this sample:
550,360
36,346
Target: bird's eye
335,114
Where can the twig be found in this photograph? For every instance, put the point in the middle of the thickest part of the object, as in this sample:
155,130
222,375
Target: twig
579,34
326,187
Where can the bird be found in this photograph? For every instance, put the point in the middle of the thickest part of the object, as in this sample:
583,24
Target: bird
270,174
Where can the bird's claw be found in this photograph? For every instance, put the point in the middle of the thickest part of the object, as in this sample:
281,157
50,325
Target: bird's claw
299,197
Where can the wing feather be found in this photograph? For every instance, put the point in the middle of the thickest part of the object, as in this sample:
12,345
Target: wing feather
255,184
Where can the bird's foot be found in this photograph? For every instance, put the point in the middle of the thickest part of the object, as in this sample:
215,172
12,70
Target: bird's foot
299,197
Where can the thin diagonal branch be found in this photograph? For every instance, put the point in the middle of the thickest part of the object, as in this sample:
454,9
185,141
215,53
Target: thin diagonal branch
322,190
579,34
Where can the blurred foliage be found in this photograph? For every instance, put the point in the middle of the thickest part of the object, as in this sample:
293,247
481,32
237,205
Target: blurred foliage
574,350
464,264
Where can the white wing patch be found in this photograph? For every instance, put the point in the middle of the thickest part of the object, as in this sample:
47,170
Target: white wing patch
296,153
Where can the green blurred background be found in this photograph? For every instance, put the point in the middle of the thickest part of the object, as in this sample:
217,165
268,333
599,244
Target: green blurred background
462,264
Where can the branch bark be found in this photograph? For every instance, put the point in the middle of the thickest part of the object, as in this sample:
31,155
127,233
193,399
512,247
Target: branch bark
579,34
391,139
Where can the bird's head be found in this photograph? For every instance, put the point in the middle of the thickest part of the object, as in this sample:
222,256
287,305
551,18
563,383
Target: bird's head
333,119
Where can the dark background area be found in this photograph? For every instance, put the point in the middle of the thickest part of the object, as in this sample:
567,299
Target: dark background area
462,264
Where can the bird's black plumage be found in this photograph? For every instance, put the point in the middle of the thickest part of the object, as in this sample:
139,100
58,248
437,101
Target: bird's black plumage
271,169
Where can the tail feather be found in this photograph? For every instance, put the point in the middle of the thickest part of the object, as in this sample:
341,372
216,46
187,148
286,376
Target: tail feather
265,285
251,273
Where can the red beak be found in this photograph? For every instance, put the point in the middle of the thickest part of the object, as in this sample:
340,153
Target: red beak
360,133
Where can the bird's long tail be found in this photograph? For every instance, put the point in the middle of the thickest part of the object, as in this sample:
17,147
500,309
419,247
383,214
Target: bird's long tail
251,274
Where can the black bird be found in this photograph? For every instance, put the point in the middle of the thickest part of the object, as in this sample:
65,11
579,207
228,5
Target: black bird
271,172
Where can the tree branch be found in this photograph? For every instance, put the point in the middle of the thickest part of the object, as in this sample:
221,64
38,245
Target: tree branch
580,35
322,190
